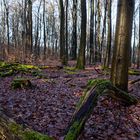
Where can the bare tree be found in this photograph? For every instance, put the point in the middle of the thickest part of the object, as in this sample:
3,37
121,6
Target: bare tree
62,33
109,36
91,58
74,31
81,52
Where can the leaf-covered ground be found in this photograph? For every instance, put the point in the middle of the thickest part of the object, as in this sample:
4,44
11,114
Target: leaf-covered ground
50,104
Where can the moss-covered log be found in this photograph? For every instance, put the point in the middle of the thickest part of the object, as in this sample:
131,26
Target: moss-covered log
10,130
89,100
8,69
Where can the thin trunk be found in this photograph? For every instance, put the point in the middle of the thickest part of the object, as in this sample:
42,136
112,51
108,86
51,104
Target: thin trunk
74,31
62,34
134,45
36,47
109,37
98,31
138,56
81,54
29,28
66,30
91,58
44,29
7,23
104,27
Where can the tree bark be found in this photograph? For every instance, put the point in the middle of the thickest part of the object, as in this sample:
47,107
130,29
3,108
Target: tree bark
74,31
108,49
81,54
121,52
138,56
91,47
62,34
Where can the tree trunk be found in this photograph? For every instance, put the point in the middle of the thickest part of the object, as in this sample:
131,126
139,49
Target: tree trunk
108,49
44,29
7,23
121,52
138,56
91,45
74,31
81,53
134,43
62,34
29,28
104,27
66,53
98,32
36,47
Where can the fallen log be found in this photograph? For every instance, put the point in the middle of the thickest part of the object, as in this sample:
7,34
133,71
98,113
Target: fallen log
10,130
88,102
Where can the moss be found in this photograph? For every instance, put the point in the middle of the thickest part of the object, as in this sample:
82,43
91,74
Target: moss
14,68
102,83
44,67
22,66
26,134
26,68
2,63
70,68
36,73
8,73
134,72
70,72
15,128
74,130
21,83
32,135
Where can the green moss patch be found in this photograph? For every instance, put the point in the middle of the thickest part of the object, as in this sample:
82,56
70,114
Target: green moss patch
21,83
134,72
70,70
8,69
27,134
74,129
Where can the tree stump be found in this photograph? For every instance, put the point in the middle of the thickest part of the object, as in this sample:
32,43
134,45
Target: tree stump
21,83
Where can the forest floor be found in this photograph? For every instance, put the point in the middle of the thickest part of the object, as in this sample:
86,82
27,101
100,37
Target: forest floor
48,106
